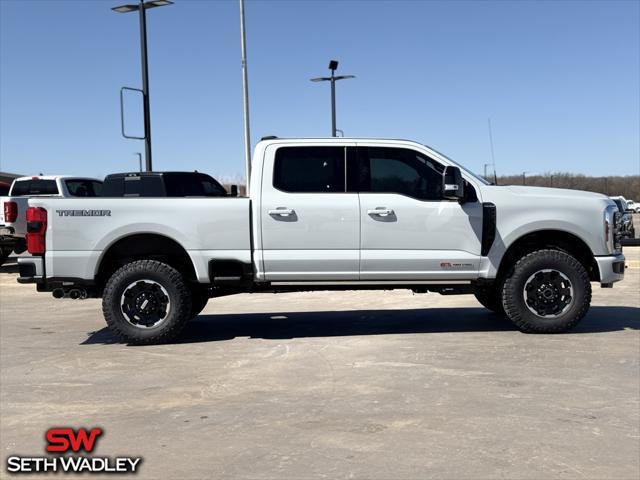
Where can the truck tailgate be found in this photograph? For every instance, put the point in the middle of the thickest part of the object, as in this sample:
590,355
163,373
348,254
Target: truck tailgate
20,225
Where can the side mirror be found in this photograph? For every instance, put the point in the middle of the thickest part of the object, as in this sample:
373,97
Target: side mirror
452,184
234,191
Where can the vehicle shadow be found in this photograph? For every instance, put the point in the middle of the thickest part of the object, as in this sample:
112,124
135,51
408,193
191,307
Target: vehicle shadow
281,326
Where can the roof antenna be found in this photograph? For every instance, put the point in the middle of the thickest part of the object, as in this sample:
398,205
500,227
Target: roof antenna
493,157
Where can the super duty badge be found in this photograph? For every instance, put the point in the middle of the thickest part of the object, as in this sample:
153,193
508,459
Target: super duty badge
84,213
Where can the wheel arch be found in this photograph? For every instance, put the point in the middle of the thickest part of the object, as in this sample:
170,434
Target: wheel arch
550,239
140,246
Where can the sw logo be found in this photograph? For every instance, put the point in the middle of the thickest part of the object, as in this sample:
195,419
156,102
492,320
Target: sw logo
66,441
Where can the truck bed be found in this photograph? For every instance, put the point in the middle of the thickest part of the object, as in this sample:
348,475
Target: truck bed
85,229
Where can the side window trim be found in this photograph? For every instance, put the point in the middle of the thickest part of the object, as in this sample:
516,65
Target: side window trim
346,176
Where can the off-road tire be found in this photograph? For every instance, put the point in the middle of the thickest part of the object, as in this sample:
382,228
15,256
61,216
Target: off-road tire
199,300
513,298
170,279
490,297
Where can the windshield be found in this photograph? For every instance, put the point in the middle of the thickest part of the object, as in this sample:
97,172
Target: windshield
192,185
466,170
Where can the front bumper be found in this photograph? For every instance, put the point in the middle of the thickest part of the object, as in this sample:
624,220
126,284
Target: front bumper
611,268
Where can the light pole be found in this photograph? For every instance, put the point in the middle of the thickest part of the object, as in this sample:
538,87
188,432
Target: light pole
333,66
245,96
139,160
141,8
485,169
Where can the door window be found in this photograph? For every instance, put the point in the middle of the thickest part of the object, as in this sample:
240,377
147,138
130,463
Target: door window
310,169
399,170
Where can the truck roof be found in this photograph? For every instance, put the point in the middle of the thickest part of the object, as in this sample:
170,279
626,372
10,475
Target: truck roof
152,174
346,140
274,139
54,177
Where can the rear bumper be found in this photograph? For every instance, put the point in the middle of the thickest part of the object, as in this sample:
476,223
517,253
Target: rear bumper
10,241
31,270
611,268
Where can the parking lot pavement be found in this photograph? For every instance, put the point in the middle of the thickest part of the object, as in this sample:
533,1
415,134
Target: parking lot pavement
337,385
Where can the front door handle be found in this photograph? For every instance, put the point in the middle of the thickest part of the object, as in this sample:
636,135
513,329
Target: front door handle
282,211
380,211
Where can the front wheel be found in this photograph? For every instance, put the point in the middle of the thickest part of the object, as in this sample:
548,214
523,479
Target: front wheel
146,302
547,291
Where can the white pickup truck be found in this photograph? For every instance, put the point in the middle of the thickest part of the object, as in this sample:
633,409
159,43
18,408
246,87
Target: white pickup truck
330,214
13,208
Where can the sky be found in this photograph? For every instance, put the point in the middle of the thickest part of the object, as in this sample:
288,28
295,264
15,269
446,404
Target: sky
560,81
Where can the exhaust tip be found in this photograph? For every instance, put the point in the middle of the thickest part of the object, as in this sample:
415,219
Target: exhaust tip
78,293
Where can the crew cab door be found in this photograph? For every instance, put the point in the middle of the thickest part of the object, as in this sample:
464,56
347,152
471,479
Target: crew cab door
310,225
409,232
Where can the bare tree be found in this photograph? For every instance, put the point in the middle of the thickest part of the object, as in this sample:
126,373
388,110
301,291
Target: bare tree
628,186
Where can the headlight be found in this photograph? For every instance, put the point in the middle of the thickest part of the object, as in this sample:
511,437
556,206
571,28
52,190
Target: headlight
612,218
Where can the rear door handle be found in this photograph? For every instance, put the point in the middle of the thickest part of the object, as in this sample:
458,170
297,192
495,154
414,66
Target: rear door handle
282,211
380,211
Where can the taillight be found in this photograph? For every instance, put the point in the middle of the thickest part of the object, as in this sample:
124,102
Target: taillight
36,228
10,212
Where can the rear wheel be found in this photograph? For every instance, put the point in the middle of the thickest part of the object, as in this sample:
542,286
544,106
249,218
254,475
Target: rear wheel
547,291
490,297
146,302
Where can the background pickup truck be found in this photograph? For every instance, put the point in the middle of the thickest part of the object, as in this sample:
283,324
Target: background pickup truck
13,208
330,214
162,184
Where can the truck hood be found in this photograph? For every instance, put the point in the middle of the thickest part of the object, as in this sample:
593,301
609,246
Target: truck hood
524,191
554,199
